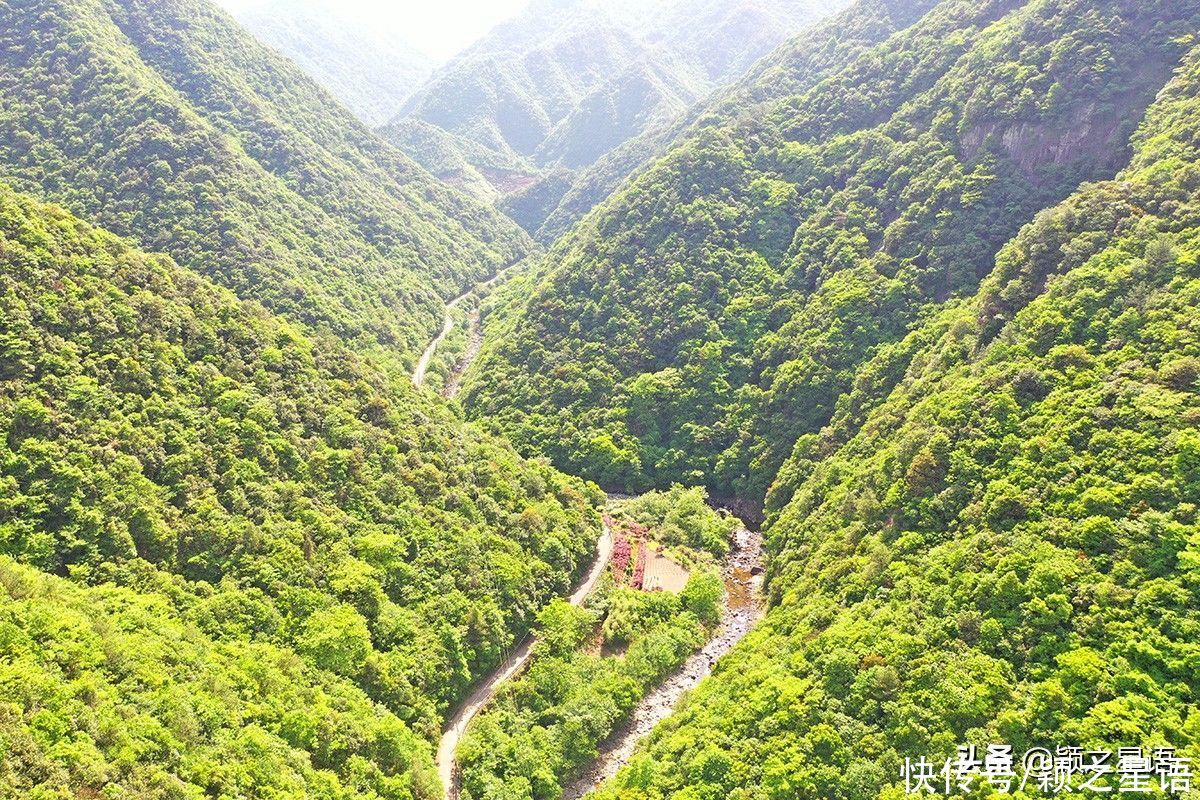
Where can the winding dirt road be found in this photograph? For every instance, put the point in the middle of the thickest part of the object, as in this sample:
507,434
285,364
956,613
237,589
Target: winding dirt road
422,368
453,731
741,611
418,376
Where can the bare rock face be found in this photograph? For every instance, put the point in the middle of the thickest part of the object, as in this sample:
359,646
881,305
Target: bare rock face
1093,128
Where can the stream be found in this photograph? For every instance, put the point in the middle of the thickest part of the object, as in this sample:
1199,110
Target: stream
742,609
474,345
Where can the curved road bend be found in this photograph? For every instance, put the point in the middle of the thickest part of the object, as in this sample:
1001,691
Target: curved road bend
419,371
455,727
418,375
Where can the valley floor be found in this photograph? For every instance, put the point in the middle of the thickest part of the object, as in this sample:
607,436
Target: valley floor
457,725
742,609
421,370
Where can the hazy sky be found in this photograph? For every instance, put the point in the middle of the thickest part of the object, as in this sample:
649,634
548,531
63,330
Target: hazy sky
439,27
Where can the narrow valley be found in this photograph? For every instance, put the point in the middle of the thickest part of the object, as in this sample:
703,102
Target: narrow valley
474,333
814,413
741,607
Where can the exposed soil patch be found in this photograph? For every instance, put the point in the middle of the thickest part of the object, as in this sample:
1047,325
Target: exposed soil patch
664,572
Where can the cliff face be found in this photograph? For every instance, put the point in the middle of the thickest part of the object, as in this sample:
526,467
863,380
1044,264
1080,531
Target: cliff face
1096,127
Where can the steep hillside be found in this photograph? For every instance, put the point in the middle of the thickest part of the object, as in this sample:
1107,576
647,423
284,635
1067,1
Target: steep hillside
467,165
798,64
112,689
643,96
1007,550
566,82
509,90
721,40
316,559
713,312
364,63
165,122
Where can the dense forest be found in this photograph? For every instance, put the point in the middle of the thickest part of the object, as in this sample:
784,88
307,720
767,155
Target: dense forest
714,311
166,122
564,84
1007,548
918,290
272,490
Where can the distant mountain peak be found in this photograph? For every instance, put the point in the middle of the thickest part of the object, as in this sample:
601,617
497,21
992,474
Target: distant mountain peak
565,82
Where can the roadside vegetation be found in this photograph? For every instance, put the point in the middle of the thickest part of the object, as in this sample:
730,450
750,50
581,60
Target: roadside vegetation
593,665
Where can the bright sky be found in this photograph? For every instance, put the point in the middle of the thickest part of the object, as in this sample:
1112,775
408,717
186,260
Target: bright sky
440,28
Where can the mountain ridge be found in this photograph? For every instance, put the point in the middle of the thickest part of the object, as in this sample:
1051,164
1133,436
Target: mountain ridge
278,496
372,71
970,564
562,87
798,240
167,123
918,290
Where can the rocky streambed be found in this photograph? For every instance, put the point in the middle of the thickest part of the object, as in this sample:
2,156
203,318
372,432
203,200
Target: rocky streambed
742,609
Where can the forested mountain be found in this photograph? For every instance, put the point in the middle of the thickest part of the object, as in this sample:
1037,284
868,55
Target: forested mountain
567,81
484,173
543,727
711,314
1007,549
296,561
166,122
920,286
511,89
800,62
365,63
